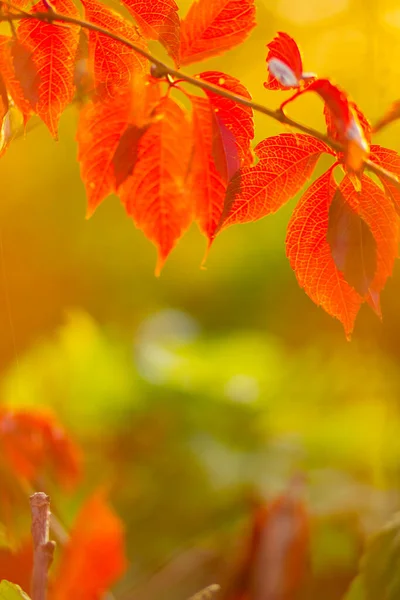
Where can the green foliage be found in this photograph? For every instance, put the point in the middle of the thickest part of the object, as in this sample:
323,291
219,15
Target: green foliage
10,591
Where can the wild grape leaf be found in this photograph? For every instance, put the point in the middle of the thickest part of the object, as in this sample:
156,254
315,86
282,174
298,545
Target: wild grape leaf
310,256
378,212
390,160
16,564
100,128
285,66
286,162
276,553
154,195
31,443
213,26
158,20
236,118
352,244
208,172
112,63
94,557
53,53
19,74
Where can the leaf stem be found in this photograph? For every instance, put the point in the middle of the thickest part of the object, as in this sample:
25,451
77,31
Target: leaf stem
43,549
52,16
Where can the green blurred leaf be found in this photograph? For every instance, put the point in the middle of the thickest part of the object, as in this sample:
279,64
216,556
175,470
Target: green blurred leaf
10,591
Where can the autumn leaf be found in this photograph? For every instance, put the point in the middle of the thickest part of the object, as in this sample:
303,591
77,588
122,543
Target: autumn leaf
53,53
390,160
32,442
154,194
158,20
286,162
213,26
94,557
285,65
16,564
207,182
112,63
236,118
310,255
11,591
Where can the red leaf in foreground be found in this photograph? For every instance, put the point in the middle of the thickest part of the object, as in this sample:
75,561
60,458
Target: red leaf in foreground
158,20
31,443
390,160
236,118
213,26
94,557
53,52
154,195
310,257
285,65
16,565
112,63
286,162
207,183
378,212
100,127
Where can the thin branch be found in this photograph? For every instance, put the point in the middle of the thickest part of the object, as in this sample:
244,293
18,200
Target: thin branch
43,549
164,70
207,593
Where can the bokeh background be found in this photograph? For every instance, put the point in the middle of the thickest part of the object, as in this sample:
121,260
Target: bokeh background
193,393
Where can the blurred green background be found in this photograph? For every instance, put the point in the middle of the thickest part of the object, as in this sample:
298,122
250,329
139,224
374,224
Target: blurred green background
191,392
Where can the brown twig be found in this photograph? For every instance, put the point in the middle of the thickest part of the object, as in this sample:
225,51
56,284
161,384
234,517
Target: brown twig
52,16
43,548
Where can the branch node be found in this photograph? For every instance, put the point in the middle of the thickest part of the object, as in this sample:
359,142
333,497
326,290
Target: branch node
158,71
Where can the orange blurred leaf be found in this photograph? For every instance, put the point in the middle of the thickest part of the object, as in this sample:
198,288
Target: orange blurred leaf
390,160
94,557
112,63
158,20
53,49
16,565
213,26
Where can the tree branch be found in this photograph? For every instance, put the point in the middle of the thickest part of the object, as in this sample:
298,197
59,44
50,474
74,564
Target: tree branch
52,16
43,549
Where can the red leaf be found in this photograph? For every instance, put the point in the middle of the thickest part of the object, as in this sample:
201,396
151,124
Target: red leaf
53,50
94,557
31,442
101,125
207,181
158,20
16,565
310,257
154,195
286,162
19,74
285,65
236,118
213,26
390,160
112,63
378,212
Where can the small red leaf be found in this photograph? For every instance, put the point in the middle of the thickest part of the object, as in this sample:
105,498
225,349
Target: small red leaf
284,50
112,63
53,50
94,557
32,442
310,256
213,26
286,162
236,118
390,160
208,171
154,194
158,20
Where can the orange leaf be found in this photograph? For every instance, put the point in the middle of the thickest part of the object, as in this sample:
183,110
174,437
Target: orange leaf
207,183
154,195
94,557
158,20
285,65
16,565
19,74
235,118
286,162
112,63
53,50
31,442
213,26
310,257
390,160
378,212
